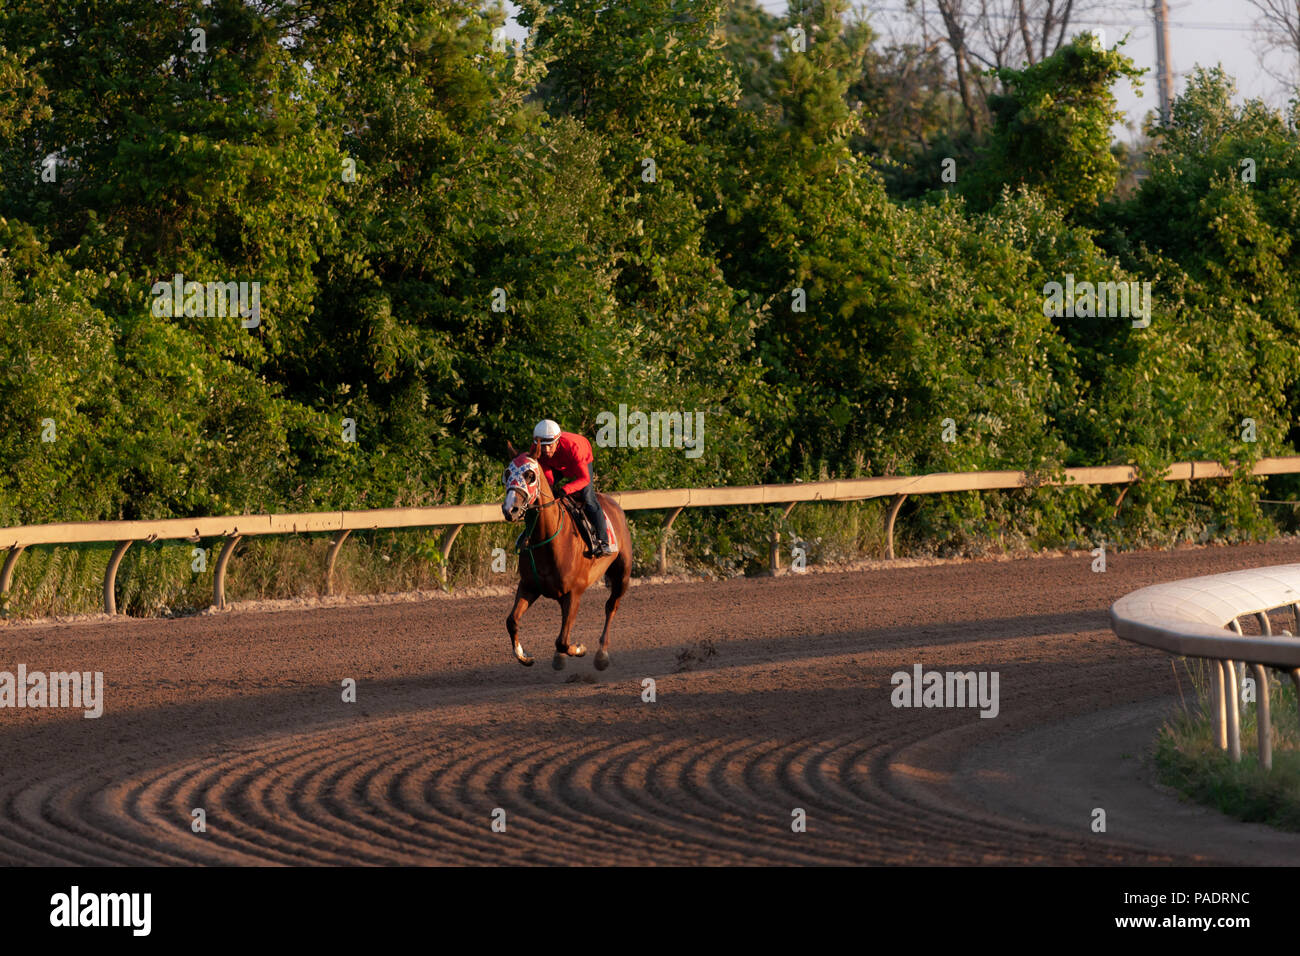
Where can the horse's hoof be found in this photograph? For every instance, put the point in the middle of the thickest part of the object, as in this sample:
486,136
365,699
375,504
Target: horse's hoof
577,650
602,660
522,656
558,661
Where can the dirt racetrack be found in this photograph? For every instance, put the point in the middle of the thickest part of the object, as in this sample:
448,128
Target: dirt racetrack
241,714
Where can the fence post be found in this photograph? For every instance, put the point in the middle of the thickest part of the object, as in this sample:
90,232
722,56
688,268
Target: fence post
219,579
889,526
1220,704
662,557
775,557
446,550
7,575
1263,723
110,577
1234,711
335,545
1295,682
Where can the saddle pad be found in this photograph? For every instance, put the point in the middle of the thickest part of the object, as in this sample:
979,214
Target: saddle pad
609,527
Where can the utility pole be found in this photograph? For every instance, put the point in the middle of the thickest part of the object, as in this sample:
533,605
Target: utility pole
1164,73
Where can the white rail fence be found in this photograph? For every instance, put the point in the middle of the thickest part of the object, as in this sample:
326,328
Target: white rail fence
232,528
1190,618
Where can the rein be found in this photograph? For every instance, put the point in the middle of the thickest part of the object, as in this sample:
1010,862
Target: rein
521,548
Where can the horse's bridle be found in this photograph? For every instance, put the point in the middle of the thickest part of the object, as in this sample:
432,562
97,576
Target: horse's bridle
528,486
523,479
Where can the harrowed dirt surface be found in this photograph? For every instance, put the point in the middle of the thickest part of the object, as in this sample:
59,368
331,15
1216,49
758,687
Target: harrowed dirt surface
240,714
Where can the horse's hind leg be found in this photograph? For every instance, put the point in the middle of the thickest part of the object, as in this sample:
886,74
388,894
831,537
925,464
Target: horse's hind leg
522,600
617,578
569,612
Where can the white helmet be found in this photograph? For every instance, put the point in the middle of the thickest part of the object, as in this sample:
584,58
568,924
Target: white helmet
546,431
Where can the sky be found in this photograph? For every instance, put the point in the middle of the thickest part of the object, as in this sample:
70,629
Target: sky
1201,32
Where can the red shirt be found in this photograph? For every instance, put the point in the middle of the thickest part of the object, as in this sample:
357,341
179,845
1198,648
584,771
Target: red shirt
570,459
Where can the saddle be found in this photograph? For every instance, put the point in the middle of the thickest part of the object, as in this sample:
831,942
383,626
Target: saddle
582,523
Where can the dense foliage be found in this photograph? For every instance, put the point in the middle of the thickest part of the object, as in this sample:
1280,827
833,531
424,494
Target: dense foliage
654,203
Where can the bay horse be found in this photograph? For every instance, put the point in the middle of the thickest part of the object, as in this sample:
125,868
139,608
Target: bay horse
553,558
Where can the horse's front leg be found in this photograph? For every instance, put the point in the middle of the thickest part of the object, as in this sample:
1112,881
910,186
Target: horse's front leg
602,655
568,611
522,600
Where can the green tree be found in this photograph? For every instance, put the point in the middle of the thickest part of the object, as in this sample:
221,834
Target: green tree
1051,129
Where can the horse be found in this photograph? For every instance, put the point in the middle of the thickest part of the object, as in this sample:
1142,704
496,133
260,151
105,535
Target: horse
553,561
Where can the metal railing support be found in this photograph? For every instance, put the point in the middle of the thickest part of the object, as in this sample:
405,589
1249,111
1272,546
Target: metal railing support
774,558
1294,673
1234,711
7,576
1263,720
889,525
1191,618
219,578
447,542
1120,500
1263,724
1295,682
335,545
110,577
1217,677
661,558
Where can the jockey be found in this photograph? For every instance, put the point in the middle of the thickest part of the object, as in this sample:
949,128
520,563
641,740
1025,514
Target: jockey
568,456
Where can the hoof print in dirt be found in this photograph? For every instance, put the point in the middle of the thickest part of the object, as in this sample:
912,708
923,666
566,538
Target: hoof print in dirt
580,679
694,654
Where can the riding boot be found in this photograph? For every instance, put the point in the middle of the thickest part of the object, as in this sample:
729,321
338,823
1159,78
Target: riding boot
596,515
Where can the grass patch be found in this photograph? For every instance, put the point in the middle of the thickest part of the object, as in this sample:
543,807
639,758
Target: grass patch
1188,760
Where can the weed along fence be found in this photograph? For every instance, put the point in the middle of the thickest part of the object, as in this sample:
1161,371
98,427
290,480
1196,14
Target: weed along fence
1189,618
454,517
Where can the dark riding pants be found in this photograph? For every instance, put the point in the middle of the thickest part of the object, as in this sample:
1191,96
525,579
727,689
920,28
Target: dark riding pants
595,514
